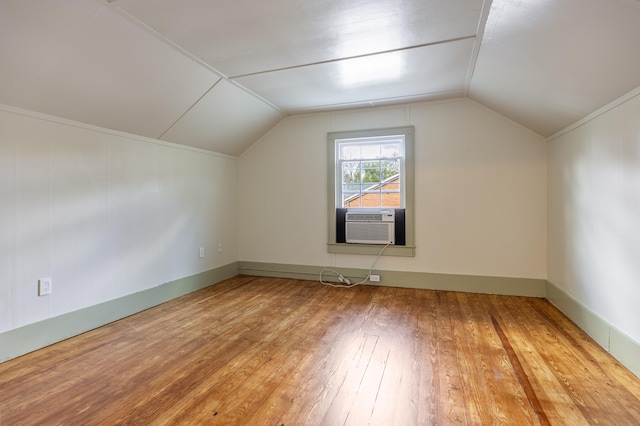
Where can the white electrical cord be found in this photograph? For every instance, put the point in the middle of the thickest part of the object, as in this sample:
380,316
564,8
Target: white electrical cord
346,282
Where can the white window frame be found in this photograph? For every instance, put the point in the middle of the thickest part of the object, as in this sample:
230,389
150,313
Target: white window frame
377,140
333,194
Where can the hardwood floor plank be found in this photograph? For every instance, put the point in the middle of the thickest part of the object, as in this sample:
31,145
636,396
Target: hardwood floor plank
456,406
427,358
315,383
555,403
567,365
274,356
617,378
572,357
268,351
505,398
398,397
521,375
311,355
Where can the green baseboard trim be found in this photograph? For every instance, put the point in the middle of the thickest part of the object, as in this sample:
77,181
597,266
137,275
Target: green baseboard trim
31,337
618,344
448,282
626,350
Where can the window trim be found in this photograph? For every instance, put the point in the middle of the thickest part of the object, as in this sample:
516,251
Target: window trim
409,165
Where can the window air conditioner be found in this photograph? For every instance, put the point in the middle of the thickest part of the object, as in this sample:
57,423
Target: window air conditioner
370,227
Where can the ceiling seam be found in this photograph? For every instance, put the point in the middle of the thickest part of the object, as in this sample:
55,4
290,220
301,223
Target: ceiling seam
366,55
184,52
380,102
159,36
190,108
241,87
482,23
597,113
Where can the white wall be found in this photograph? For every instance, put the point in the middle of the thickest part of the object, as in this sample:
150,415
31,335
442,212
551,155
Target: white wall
480,192
594,215
104,214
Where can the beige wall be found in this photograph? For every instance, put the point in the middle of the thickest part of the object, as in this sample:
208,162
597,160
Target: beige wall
104,214
480,192
594,214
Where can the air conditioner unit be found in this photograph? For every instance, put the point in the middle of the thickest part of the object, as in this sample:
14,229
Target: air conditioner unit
370,227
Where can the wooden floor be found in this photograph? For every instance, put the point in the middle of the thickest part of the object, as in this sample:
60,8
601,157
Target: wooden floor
265,351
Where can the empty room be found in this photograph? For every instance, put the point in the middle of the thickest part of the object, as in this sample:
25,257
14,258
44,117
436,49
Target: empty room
319,212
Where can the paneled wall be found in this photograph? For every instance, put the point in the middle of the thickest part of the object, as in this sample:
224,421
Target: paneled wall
594,214
104,214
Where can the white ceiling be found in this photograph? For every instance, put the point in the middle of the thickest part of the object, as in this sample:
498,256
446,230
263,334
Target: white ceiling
218,74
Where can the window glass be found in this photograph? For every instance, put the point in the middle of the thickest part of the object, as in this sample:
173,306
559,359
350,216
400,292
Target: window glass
370,172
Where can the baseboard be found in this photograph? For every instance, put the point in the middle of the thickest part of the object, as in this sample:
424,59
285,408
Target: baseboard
619,345
448,282
20,341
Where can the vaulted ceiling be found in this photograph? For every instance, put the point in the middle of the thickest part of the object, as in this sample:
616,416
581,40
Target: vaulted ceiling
218,74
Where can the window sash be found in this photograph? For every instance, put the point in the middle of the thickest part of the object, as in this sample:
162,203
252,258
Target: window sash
350,162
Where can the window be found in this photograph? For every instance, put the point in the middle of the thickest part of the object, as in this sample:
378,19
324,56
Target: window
371,169
370,172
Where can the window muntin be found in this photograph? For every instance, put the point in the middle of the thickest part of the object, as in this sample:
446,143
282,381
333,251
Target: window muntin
370,172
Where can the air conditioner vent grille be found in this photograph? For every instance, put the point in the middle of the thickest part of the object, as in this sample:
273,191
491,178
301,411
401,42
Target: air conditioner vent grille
364,216
372,233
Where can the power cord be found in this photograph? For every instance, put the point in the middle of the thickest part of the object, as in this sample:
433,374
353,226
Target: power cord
346,283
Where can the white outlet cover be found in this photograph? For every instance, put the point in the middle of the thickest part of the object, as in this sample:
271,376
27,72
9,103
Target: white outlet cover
45,286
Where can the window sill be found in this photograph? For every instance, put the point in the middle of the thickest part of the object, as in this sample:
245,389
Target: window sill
372,249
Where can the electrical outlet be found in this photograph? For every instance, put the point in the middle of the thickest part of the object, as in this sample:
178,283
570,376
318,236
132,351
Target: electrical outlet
201,251
374,278
219,247
44,286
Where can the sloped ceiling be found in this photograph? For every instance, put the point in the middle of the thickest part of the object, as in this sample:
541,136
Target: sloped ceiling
548,63
218,74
